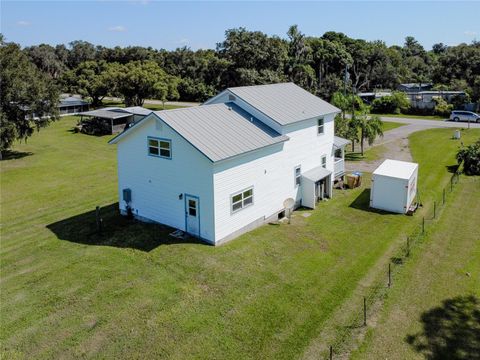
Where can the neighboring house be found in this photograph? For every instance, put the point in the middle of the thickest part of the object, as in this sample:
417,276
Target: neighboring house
368,97
72,105
426,99
223,168
117,118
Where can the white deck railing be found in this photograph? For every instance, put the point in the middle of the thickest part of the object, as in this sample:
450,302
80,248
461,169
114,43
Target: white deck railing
339,167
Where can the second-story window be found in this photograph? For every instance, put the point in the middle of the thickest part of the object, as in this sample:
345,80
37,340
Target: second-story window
324,161
321,126
298,175
160,147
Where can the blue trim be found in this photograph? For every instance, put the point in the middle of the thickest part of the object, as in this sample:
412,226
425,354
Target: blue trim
185,195
159,139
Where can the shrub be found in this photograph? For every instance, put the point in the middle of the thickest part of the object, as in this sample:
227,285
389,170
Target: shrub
470,156
395,103
442,108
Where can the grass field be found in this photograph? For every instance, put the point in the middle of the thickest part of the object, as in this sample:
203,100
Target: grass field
430,312
67,292
155,107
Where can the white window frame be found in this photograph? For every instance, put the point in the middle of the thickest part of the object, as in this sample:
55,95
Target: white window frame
321,126
159,147
324,161
244,201
297,177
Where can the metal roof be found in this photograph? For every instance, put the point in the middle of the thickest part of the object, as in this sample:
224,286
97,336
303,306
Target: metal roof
105,114
137,110
219,131
286,103
317,173
340,142
71,101
397,169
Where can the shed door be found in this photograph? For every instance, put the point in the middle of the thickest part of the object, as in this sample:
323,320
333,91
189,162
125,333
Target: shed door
192,215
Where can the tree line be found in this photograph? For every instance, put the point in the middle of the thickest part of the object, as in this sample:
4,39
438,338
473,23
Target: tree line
33,76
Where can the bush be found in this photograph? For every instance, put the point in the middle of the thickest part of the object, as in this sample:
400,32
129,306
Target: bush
96,127
442,108
470,156
391,104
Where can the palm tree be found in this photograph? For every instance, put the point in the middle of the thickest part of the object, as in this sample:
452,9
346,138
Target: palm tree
371,126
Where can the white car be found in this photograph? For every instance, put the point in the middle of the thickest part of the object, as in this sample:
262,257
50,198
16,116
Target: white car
460,115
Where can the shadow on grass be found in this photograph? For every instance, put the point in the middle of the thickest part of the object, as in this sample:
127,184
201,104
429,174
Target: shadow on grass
354,156
117,231
450,331
12,155
362,202
452,168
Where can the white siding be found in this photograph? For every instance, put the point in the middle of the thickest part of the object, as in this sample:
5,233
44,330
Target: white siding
271,173
156,183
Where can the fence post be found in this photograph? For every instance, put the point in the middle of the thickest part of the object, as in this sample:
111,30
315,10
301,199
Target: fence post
389,275
408,246
423,225
364,311
331,352
451,183
444,196
434,209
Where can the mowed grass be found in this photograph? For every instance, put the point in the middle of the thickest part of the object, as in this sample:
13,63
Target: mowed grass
429,312
154,107
68,292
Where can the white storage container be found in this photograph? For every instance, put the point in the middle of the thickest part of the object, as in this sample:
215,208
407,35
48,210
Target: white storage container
394,186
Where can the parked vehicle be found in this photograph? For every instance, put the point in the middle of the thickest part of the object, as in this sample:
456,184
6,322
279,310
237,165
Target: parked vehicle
460,115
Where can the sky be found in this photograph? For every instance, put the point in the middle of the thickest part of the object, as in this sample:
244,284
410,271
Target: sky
201,24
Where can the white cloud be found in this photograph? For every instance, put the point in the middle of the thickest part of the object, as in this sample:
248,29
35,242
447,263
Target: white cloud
23,23
470,33
118,28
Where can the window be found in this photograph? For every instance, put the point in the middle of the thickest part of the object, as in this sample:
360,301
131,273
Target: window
242,199
192,208
160,147
321,126
298,175
324,161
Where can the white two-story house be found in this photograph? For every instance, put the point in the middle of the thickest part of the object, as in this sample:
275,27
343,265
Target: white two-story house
223,168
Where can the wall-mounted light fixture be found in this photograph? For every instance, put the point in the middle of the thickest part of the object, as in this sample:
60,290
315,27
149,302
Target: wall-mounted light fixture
180,197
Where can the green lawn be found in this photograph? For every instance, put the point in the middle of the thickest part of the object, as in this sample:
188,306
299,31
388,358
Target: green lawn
68,292
373,153
429,312
423,117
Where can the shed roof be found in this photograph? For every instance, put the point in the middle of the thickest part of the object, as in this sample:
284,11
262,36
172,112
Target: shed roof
219,131
397,169
105,114
285,103
317,173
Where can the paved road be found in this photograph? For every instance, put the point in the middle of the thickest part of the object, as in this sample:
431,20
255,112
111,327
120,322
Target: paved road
430,123
397,140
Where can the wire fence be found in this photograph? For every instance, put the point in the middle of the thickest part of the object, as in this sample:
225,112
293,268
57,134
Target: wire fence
379,289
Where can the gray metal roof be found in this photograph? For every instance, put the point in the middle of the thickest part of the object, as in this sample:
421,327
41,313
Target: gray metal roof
219,131
285,103
138,110
340,142
316,174
71,101
105,114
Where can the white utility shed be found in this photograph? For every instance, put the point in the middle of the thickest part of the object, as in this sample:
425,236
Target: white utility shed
394,186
